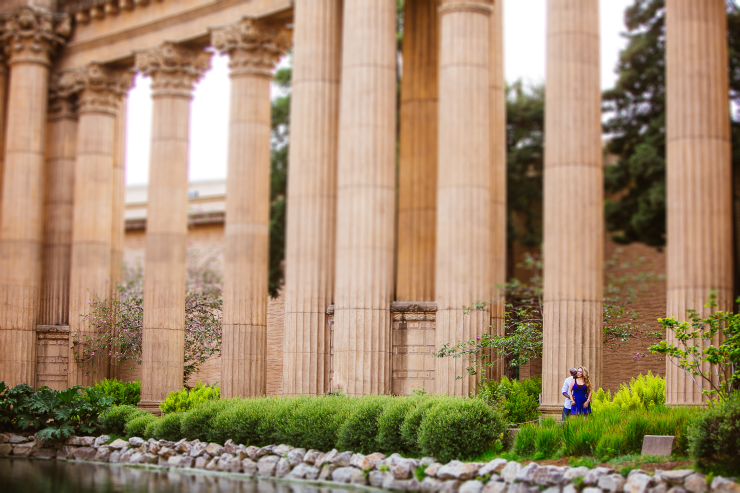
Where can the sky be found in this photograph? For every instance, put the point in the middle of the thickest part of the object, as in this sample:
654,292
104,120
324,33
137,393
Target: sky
524,58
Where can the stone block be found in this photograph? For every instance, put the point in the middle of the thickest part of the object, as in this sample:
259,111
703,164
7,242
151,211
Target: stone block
696,483
675,477
5,449
266,465
612,483
295,456
103,454
304,471
200,463
510,471
198,449
471,486
283,468
458,470
638,483
249,466
495,487
724,485
214,449
101,440
136,442
85,453
282,450
658,445
118,444
348,475
115,457
526,474
4,438
495,466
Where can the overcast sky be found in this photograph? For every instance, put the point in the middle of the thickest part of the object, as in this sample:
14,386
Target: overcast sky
524,35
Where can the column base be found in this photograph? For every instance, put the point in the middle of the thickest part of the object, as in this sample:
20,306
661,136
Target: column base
551,411
151,406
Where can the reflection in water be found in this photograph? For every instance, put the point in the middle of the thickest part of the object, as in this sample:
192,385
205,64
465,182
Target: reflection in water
41,476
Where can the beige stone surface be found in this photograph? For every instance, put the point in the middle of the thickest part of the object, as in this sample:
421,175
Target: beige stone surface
417,163
698,170
573,197
174,71
365,199
3,117
312,196
464,185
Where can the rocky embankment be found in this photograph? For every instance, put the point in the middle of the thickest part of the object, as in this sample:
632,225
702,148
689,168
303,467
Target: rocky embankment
377,470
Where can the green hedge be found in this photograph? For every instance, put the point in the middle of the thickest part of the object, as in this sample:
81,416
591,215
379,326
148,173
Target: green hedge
114,419
714,438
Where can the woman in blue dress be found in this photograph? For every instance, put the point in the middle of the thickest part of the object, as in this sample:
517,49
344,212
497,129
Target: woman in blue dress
580,393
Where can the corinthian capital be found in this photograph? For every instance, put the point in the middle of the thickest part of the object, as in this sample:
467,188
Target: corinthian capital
253,46
99,88
32,35
476,6
174,69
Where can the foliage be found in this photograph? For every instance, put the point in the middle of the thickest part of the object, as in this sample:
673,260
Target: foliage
360,430
316,423
459,429
115,323
518,400
183,400
166,428
524,441
122,392
643,392
136,427
712,366
241,422
412,423
714,438
114,419
390,422
198,421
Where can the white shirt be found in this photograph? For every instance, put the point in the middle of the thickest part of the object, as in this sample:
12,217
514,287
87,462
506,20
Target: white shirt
566,388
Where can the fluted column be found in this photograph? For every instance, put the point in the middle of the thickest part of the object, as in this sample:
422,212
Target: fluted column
464,184
253,48
365,199
30,36
698,171
498,177
312,195
100,93
61,144
417,165
3,118
174,71
573,198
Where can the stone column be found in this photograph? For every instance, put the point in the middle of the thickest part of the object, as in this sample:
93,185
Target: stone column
3,116
498,177
573,247
417,164
365,199
464,184
174,71
698,171
30,36
101,90
312,196
253,48
61,144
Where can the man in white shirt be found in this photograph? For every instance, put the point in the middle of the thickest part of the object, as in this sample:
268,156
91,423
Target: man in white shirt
565,390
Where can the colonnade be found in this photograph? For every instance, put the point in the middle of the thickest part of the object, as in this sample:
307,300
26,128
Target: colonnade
363,230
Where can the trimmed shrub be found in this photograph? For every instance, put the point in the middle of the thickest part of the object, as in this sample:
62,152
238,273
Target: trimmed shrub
241,421
114,419
360,430
273,428
136,427
714,438
459,429
122,392
316,423
524,442
166,428
518,400
185,399
149,430
412,423
390,422
198,422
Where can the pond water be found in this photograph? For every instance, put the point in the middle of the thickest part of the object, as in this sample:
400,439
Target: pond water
42,476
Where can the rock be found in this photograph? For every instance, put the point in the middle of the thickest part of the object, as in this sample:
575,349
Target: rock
433,469
402,470
391,483
249,466
236,465
136,458
348,475
311,456
548,476
198,449
396,459
252,452
85,453
283,468
613,483
80,441
154,447
326,471
46,453
635,471
676,489
165,453
4,438
458,470
526,473
126,455
136,442
241,453
657,445
266,465
328,458
427,461
593,475
16,439
637,483
304,471
376,478
224,461
5,449
492,467
115,457
186,461
200,463
174,461
675,477
295,456
450,486
510,470
591,489
117,444
495,487
471,486
214,449
212,464
522,488
696,483
282,450
264,451
576,472
343,459
230,447
661,488
552,489
103,454
569,488
724,485
101,440
183,447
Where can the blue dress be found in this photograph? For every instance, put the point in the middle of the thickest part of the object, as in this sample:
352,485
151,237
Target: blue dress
580,395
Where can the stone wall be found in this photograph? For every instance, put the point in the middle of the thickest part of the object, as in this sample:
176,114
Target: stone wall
413,329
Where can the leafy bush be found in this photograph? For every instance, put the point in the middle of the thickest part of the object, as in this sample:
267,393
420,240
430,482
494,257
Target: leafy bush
644,392
459,429
275,425
714,438
183,400
518,400
241,421
114,419
390,422
360,431
316,423
611,445
524,442
136,427
199,420
548,440
122,392
412,423
166,428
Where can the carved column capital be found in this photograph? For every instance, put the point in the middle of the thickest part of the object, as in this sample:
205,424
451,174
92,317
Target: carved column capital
474,6
63,90
31,35
253,46
174,69
99,89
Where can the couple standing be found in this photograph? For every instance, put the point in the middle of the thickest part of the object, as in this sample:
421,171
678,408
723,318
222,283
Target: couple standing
577,391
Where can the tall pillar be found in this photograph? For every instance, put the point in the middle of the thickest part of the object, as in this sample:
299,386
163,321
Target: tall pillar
61,144
101,90
312,195
498,178
254,48
30,36
3,116
174,71
417,165
464,184
365,199
573,247
698,171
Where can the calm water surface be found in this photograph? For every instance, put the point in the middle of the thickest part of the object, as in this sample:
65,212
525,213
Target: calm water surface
42,476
